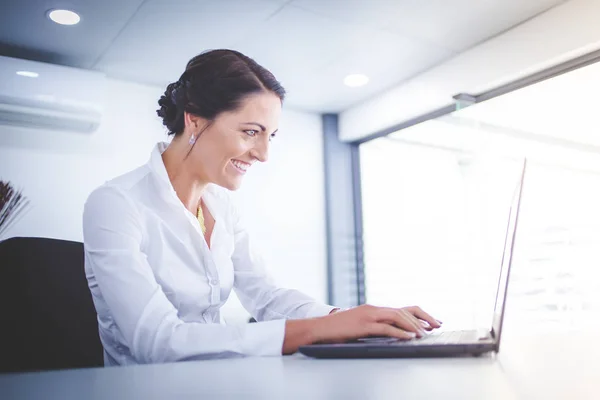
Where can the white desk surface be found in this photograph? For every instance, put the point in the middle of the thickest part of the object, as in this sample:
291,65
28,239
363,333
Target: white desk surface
527,367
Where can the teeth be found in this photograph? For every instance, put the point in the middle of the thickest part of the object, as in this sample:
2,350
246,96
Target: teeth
240,165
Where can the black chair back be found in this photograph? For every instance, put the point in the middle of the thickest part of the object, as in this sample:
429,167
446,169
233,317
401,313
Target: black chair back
47,317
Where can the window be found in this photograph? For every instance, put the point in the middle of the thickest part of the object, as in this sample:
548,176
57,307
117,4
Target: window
436,198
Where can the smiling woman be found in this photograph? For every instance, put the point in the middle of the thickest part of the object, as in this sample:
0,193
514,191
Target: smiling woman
164,245
247,100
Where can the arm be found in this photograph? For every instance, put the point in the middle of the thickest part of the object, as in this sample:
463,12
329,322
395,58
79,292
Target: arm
147,319
255,288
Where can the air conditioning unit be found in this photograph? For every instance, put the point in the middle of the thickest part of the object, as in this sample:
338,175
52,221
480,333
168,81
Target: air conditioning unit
47,96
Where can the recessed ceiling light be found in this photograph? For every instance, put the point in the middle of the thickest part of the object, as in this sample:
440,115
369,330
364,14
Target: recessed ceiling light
356,80
64,17
28,74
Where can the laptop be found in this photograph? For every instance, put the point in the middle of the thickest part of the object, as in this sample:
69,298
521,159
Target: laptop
443,344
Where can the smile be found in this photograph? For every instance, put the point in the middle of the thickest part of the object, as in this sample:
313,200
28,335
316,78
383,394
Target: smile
241,166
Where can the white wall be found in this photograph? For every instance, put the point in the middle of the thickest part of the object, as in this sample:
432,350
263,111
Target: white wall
57,170
283,199
561,34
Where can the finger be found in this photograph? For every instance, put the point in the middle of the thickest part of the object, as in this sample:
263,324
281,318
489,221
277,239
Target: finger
383,329
422,315
416,322
411,318
417,312
426,325
400,319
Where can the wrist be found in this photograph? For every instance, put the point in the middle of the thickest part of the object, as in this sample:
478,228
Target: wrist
298,333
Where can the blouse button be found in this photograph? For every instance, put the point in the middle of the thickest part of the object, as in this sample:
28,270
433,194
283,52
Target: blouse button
214,282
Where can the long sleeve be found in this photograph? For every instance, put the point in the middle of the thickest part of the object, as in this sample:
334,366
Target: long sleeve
255,288
127,287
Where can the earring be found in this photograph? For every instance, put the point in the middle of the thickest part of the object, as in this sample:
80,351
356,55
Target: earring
192,139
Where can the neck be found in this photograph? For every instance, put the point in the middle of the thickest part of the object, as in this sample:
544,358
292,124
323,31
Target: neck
189,189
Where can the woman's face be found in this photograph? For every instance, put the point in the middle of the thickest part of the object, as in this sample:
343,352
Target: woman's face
236,140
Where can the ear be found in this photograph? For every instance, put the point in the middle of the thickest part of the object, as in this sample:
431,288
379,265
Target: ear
193,122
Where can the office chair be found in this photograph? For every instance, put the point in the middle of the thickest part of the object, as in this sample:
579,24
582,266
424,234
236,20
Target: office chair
48,319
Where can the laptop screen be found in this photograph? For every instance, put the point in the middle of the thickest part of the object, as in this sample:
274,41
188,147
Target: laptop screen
507,254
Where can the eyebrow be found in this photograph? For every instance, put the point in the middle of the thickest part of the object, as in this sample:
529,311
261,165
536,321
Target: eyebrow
262,127
255,123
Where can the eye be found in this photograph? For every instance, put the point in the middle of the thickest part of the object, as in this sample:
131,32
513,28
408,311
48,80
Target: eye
251,132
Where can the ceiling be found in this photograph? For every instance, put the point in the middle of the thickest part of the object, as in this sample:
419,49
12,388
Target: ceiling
310,45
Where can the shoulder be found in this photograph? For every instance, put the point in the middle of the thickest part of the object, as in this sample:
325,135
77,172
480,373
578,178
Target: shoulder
128,181
107,196
109,213
121,188
115,198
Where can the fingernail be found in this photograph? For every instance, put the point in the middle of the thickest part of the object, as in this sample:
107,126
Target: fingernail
412,334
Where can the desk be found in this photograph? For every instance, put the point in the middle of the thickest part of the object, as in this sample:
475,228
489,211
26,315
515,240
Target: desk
528,367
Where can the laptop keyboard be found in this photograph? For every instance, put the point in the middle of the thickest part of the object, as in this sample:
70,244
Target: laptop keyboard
451,337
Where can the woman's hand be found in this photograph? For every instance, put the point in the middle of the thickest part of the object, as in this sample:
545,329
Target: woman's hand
358,322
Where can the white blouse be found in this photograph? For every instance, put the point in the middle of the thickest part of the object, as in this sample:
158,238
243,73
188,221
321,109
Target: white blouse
158,288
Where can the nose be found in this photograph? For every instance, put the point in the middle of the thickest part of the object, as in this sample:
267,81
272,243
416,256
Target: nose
260,151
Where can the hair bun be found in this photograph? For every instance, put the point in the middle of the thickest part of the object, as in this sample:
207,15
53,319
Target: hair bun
168,106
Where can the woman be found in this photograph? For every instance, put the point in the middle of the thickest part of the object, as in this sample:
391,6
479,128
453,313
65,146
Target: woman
164,246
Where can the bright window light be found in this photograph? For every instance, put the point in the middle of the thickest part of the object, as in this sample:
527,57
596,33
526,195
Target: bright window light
64,17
